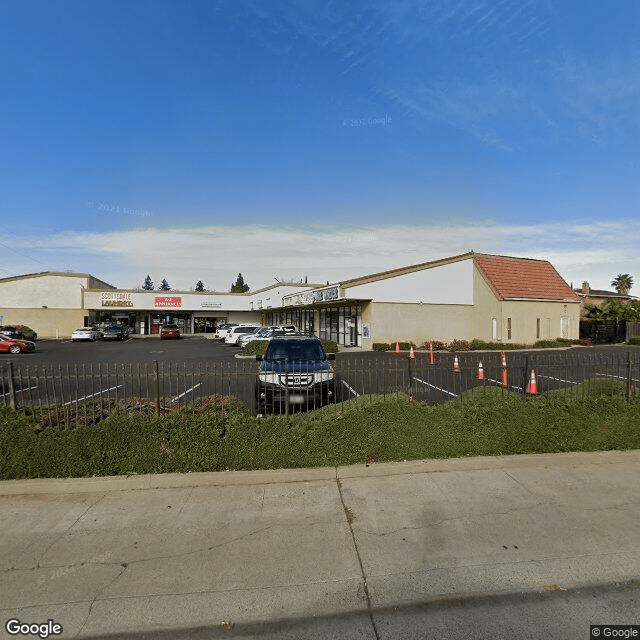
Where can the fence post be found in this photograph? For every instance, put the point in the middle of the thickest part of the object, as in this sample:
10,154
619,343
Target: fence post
157,372
286,391
12,387
629,386
526,375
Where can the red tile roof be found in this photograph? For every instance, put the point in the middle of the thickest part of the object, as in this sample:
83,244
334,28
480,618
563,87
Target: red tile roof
523,278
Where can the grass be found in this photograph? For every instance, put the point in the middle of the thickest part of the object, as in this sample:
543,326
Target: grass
222,434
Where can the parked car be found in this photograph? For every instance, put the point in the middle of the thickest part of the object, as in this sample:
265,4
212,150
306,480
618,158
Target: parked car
221,331
262,334
287,328
14,346
22,332
294,370
7,333
169,331
235,332
114,332
245,338
86,333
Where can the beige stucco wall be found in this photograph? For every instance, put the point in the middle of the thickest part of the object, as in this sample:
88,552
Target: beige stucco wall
419,323
47,323
444,284
523,314
51,290
391,322
243,317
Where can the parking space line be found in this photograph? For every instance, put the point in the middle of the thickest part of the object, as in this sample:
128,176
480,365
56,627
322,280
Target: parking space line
500,384
355,393
609,375
433,386
92,395
187,391
558,379
19,391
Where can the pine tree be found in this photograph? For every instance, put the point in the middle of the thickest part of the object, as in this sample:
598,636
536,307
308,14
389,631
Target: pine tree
148,284
239,286
164,285
200,286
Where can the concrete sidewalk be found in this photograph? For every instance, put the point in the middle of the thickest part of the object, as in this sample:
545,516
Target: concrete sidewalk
224,554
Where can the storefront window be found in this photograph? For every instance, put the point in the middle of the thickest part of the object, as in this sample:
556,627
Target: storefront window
342,325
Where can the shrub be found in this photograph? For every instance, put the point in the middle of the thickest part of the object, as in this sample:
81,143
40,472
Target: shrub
329,346
481,345
459,345
256,348
544,344
436,344
635,340
583,342
405,346
381,346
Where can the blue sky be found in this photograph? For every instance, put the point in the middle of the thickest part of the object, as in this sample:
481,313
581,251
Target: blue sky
280,138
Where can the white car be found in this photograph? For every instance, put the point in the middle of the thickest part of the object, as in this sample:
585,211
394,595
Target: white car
236,332
263,333
86,333
223,329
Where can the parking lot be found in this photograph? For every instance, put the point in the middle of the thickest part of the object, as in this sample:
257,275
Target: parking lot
180,372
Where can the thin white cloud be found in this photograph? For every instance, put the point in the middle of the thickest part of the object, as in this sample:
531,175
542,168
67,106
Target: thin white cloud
600,95
580,251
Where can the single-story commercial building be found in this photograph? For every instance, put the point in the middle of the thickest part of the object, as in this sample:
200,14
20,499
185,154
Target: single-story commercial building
472,295
50,302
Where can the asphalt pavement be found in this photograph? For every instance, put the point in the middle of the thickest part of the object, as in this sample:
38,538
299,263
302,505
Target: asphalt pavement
507,547
69,374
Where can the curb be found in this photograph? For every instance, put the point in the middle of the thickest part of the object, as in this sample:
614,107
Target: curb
42,486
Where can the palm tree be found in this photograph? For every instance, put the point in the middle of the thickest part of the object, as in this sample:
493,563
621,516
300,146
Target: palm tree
622,283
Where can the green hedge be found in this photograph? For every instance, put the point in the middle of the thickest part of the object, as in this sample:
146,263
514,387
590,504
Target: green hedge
256,348
635,340
329,346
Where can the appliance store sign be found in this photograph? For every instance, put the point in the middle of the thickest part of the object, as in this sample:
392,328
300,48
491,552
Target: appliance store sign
115,299
167,301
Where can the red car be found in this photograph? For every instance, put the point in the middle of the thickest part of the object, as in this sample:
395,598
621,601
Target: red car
11,345
169,331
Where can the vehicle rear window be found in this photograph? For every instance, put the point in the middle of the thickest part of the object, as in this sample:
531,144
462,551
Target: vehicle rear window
295,351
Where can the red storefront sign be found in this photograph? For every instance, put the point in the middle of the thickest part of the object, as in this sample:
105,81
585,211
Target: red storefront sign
167,301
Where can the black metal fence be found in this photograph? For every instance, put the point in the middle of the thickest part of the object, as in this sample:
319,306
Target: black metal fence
84,393
604,332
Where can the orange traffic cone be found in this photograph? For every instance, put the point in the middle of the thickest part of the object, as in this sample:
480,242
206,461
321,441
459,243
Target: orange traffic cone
505,382
480,374
412,355
532,387
504,359
397,347
432,356
456,365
